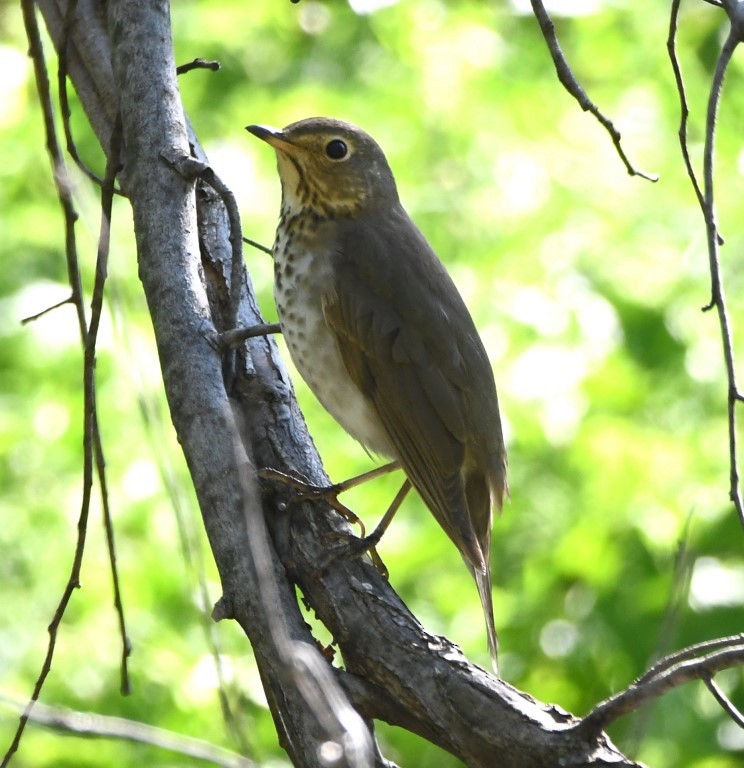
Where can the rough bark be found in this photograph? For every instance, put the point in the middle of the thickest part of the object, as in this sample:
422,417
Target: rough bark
395,670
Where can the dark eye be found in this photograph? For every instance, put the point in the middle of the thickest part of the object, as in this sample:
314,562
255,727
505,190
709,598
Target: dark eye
336,149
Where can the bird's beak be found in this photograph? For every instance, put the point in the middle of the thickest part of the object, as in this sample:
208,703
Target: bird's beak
273,136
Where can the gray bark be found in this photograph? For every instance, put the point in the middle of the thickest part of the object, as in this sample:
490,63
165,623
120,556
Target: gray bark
395,670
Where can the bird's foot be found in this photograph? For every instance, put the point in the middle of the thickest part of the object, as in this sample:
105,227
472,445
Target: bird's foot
352,546
310,491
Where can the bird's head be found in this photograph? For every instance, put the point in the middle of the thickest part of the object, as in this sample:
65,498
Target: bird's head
329,166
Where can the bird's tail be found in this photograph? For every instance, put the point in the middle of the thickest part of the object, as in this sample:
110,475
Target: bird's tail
483,582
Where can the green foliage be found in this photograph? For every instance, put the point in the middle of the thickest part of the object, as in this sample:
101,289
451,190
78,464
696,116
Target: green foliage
586,284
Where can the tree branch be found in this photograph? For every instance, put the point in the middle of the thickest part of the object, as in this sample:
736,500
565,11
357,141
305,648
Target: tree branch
670,673
684,111
93,724
718,297
571,84
92,444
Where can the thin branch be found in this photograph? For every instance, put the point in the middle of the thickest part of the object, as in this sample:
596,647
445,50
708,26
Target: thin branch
107,197
688,653
725,702
258,246
192,168
36,51
676,603
197,64
64,101
668,675
93,449
684,111
236,239
236,336
718,298
571,84
92,724
32,318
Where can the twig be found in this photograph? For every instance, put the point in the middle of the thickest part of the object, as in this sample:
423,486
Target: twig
675,605
36,51
237,336
197,64
32,318
191,168
107,197
258,246
571,84
95,725
93,450
236,239
718,298
64,101
669,673
688,653
724,701
684,111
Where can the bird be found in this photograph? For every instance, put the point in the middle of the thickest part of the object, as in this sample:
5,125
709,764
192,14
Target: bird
376,327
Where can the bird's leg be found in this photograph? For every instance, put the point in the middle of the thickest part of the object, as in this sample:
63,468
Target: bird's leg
329,493
373,539
358,547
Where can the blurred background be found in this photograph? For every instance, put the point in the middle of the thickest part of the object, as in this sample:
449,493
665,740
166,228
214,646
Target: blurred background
618,543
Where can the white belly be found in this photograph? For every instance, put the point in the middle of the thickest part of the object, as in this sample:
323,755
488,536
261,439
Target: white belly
314,351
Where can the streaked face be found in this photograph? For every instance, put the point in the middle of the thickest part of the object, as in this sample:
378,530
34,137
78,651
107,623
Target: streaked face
330,166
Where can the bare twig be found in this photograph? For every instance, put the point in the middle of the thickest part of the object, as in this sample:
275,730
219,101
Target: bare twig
93,450
718,298
258,246
675,606
684,111
571,84
669,673
724,701
237,336
197,64
107,197
92,724
36,51
32,318
64,100
236,239
688,653
191,168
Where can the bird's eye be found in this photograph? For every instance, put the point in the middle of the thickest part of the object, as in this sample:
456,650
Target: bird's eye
336,149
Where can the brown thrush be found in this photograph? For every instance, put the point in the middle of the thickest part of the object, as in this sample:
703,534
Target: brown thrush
378,330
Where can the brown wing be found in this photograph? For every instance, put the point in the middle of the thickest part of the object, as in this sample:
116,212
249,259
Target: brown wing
409,344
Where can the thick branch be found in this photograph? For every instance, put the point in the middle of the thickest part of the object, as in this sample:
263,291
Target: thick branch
163,204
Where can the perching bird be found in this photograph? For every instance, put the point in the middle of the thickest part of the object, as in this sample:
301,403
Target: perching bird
378,330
